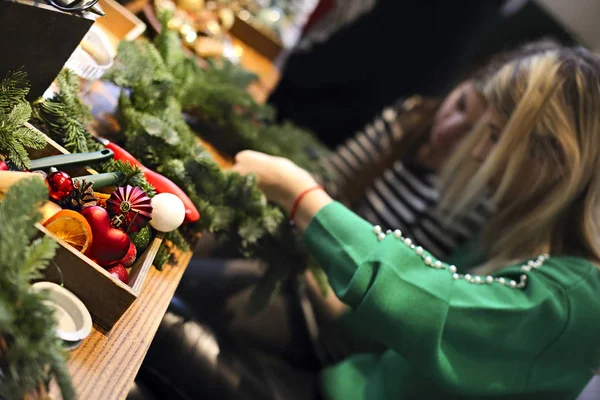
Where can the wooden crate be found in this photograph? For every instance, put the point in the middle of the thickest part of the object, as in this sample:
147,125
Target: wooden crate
105,297
119,23
264,42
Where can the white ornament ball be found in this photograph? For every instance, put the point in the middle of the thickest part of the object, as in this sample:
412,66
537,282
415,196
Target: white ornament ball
168,212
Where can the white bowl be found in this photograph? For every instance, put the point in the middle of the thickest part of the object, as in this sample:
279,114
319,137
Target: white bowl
73,319
93,55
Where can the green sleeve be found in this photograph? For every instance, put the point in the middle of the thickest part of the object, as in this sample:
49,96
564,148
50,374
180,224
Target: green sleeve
459,333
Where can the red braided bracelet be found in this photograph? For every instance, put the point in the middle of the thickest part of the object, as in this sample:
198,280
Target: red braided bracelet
299,199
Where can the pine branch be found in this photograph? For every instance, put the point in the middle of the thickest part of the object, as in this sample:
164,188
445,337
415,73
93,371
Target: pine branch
178,240
37,258
68,83
28,345
133,175
15,139
61,124
162,256
13,89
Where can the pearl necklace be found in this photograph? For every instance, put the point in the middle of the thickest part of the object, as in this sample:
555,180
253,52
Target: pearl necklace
436,264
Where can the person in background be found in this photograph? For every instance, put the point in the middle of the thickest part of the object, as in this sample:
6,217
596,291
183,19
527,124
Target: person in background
387,172
515,315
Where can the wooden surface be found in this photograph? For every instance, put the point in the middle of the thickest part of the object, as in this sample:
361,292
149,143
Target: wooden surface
105,365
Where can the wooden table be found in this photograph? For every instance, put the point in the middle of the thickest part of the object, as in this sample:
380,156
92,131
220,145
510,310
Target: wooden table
105,365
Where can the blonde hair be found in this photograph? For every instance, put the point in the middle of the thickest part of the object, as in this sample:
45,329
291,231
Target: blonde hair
548,158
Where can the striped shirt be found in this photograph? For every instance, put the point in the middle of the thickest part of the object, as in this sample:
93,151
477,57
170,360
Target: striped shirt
406,196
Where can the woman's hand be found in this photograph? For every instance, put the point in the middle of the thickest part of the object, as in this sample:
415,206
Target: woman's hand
282,181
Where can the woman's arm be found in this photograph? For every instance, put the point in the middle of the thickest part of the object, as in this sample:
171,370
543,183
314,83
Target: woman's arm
455,330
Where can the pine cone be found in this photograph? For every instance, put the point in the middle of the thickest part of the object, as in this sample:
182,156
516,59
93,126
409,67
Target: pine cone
81,196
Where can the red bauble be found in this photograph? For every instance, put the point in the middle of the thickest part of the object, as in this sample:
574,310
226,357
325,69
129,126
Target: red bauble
119,272
129,258
109,244
60,185
3,166
130,208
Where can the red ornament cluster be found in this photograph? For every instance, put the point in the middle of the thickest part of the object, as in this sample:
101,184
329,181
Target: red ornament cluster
128,209
60,185
110,244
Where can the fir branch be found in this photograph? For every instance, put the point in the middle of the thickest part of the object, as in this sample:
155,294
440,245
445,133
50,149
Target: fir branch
68,84
232,74
178,240
162,256
13,89
15,138
37,257
133,175
17,220
30,353
62,124
155,92
266,289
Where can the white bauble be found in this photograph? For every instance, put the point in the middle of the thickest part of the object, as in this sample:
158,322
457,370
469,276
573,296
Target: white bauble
168,212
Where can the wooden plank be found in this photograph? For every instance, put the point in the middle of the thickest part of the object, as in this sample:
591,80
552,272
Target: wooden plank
105,365
142,266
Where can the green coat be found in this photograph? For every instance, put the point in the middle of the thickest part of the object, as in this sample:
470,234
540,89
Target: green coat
450,338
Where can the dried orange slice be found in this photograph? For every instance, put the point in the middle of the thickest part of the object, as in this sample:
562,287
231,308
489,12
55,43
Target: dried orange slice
71,227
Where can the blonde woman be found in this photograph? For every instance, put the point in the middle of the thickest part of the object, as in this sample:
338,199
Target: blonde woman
518,314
